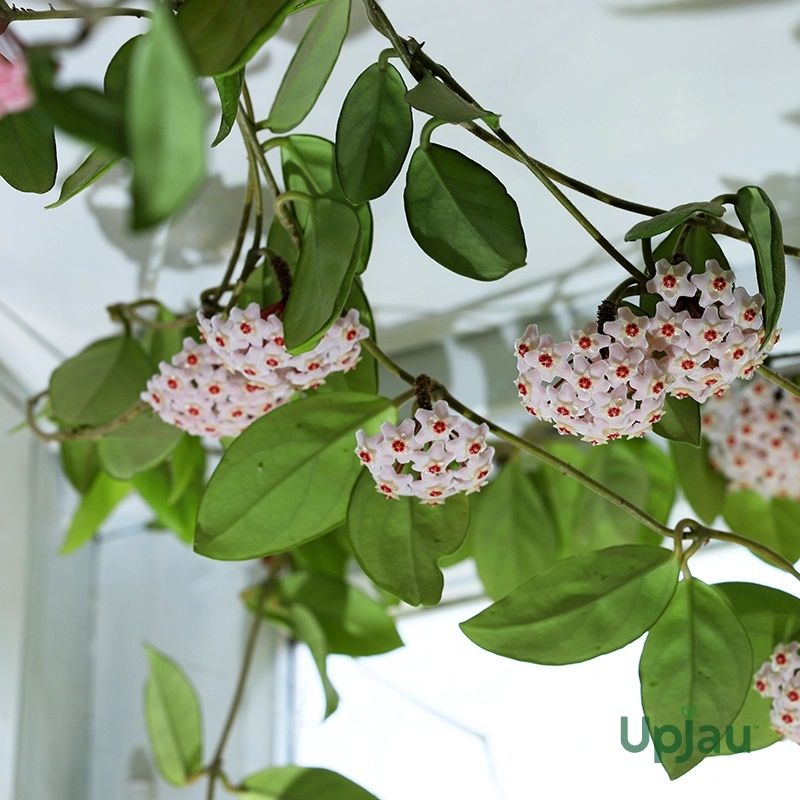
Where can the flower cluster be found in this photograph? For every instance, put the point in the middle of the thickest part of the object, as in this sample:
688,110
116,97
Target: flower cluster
779,679
15,92
432,456
250,342
710,331
197,394
755,439
599,386
612,383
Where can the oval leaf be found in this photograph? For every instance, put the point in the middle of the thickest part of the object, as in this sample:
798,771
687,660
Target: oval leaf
229,88
100,383
373,133
223,35
702,485
135,447
80,463
172,714
515,536
102,498
398,543
287,478
770,617
302,783
763,227
310,67
695,670
462,216
324,273
662,223
750,515
166,124
581,607
28,151
681,421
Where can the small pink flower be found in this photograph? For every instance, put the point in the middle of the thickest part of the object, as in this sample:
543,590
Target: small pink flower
15,91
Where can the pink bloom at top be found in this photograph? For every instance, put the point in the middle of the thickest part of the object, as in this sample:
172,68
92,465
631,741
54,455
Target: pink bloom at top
715,284
628,329
587,341
15,92
671,281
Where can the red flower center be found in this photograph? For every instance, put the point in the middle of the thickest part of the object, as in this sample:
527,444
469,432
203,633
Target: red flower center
522,349
279,340
385,488
399,446
351,334
191,359
749,314
632,329
585,342
220,341
272,362
710,335
614,411
522,389
719,284
622,371
687,364
667,330
546,360
439,426
365,457
669,282
474,448
172,383
780,659
214,389
246,328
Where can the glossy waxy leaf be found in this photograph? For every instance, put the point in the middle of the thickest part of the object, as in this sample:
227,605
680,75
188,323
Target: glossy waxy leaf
373,133
287,478
328,555
754,517
681,421
229,88
28,151
300,783
324,273
309,166
462,216
100,500
763,227
515,535
80,463
695,670
172,715
770,617
223,35
96,164
701,484
100,383
580,607
433,97
310,67
662,223
166,124
308,630
398,543
179,515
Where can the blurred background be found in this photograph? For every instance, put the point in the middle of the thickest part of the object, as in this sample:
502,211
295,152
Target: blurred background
660,102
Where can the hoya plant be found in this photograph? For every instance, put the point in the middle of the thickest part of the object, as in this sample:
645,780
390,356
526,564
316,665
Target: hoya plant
354,501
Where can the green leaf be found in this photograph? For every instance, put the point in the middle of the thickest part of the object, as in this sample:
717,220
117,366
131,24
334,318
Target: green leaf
187,464
763,227
96,164
138,445
118,73
786,516
462,216
750,515
308,166
28,151
100,383
433,97
515,536
102,498
581,607
172,715
166,123
328,555
230,89
695,669
373,133
398,543
178,515
770,617
308,630
638,471
324,273
681,421
80,463
354,624
702,485
310,67
287,478
302,783
303,4
662,223
223,35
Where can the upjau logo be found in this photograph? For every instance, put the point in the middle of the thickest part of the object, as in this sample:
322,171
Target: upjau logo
685,739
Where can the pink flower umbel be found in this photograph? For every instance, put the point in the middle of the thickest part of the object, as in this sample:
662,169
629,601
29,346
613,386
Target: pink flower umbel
779,679
197,394
15,91
432,456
